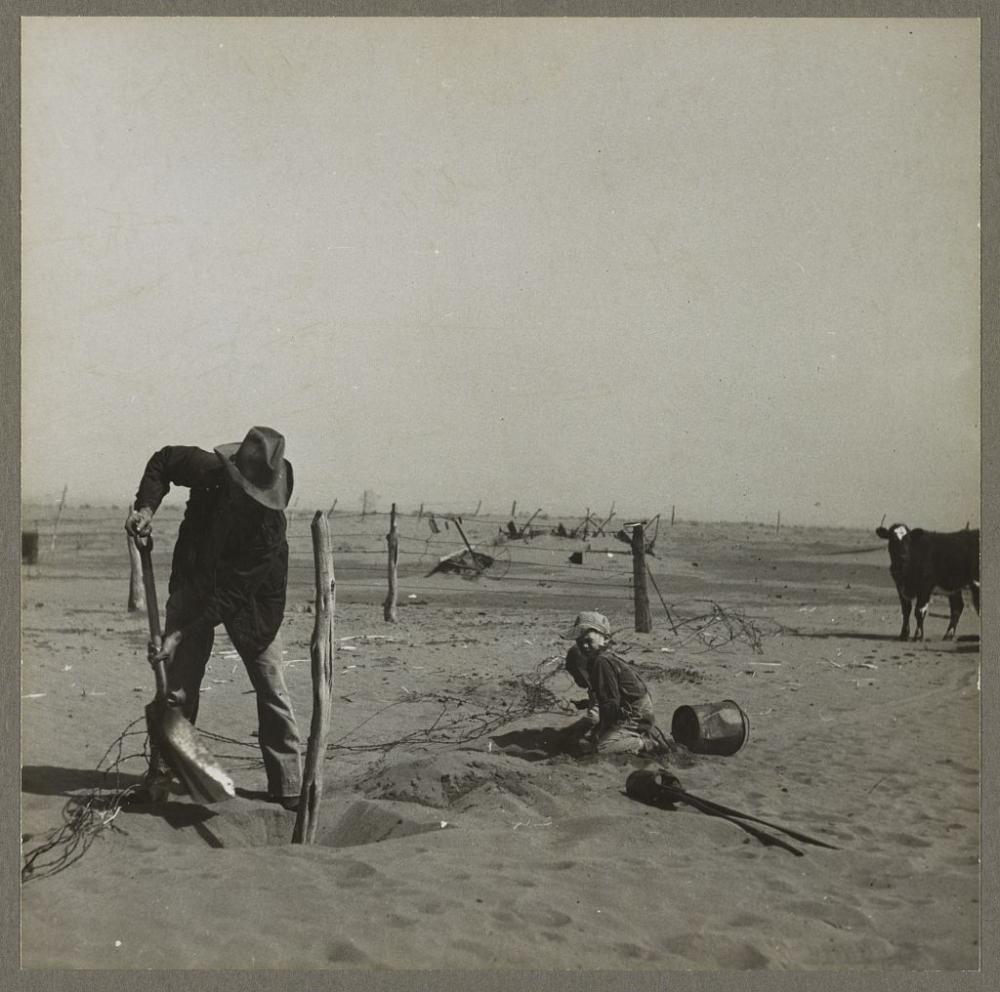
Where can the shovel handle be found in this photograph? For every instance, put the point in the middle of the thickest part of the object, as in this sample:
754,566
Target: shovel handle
145,548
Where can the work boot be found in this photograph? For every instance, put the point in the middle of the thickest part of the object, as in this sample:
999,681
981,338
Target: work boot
154,788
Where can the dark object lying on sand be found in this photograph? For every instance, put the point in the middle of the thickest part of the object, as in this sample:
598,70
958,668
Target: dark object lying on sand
463,562
657,787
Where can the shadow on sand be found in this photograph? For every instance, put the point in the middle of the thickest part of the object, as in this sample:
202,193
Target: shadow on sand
963,644
542,743
50,780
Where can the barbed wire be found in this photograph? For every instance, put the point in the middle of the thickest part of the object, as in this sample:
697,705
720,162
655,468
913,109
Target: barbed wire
480,710
85,816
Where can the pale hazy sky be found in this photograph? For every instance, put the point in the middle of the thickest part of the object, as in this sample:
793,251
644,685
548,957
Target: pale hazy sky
731,265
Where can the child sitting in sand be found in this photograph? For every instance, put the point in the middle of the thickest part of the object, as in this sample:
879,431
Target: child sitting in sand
617,698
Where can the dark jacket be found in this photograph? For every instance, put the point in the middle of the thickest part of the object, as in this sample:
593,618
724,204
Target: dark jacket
231,555
616,687
576,665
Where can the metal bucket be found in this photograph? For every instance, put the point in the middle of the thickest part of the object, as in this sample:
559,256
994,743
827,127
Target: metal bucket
29,547
712,728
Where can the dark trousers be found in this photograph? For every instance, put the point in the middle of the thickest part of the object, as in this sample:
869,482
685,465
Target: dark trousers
277,733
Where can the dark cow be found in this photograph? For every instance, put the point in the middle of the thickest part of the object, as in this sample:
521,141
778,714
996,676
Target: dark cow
921,561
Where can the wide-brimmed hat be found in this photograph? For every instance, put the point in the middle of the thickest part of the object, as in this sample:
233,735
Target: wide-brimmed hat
258,466
587,621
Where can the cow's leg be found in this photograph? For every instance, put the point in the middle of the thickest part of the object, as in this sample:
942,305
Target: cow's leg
904,605
920,611
957,604
974,589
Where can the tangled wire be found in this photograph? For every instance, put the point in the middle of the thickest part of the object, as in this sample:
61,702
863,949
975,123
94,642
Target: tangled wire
86,815
709,631
464,717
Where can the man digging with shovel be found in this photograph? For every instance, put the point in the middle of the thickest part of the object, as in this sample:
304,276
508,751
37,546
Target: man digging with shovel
230,566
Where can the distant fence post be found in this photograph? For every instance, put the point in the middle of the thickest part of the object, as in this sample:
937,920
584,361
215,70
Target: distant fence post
136,588
672,508
599,528
513,510
55,526
777,526
321,651
392,539
643,619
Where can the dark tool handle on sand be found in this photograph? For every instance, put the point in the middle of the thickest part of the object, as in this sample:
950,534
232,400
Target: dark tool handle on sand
710,809
145,546
716,809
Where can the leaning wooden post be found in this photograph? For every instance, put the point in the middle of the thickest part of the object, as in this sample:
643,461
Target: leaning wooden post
672,508
136,589
468,547
777,526
652,578
524,529
513,510
392,539
643,619
321,651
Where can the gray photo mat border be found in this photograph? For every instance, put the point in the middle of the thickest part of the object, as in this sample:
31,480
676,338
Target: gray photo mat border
458,981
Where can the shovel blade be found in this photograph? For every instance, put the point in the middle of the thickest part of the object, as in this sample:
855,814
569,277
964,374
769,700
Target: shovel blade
187,757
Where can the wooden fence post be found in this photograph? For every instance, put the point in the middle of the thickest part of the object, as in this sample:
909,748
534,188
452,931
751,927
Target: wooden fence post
652,578
524,529
468,547
136,589
55,526
777,527
599,528
321,651
643,619
392,539
513,510
672,508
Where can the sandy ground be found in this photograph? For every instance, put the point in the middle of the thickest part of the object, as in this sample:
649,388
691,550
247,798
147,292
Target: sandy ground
461,827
